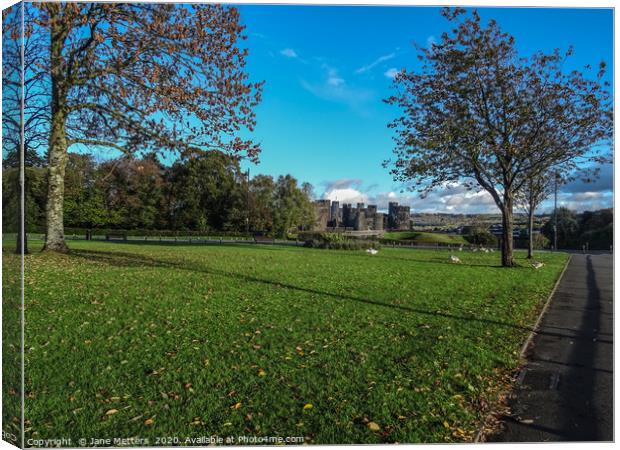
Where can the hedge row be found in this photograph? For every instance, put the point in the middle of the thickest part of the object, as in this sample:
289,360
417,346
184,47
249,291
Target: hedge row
150,233
338,241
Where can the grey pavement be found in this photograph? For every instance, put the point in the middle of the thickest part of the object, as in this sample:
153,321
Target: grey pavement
565,390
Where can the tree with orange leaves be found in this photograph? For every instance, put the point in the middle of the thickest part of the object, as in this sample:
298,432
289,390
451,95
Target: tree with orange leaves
142,77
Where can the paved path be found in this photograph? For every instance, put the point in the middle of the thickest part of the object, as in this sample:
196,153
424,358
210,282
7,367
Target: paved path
565,392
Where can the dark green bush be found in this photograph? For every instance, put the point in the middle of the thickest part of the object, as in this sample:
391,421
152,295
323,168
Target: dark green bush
338,241
482,237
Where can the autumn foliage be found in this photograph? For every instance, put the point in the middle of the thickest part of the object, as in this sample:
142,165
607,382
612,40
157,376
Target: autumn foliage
142,77
478,113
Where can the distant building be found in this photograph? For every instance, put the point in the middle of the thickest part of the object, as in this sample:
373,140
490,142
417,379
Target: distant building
498,230
329,215
399,217
334,215
322,214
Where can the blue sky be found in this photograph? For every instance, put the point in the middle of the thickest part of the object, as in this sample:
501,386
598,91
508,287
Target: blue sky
327,69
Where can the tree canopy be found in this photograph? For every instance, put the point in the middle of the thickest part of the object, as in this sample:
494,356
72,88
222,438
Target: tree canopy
478,113
140,78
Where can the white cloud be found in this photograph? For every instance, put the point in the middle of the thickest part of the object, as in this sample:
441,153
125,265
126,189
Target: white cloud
346,195
454,198
353,190
335,81
382,200
335,88
376,62
391,72
343,183
289,53
580,201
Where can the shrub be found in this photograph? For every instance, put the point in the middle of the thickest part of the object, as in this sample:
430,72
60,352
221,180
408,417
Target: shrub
338,241
482,237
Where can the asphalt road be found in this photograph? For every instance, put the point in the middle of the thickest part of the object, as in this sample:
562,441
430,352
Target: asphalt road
565,391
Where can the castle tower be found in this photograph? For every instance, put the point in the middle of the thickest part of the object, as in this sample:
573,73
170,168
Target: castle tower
347,215
335,213
321,213
360,219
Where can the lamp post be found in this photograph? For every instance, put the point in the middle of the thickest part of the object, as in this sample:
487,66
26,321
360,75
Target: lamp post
555,214
247,206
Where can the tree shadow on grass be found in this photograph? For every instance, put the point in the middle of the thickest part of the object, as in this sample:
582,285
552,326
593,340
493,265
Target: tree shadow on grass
279,246
124,259
438,260
344,253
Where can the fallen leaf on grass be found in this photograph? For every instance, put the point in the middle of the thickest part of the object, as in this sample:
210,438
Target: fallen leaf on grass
236,405
111,411
149,422
308,406
261,373
373,426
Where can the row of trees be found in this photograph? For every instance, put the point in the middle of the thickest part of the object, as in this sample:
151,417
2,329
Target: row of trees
593,229
204,193
478,113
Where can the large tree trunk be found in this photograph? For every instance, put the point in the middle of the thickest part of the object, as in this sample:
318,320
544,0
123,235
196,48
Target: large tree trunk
530,234
55,236
57,152
507,243
21,215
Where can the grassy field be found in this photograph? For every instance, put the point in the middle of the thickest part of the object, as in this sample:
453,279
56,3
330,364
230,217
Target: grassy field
420,237
11,344
150,341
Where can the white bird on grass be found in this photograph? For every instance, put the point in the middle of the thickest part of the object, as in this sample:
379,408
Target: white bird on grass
455,259
372,251
537,265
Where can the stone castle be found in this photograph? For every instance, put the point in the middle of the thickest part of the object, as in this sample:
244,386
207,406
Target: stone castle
331,216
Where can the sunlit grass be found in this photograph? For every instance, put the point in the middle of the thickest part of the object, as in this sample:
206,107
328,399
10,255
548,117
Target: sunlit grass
186,341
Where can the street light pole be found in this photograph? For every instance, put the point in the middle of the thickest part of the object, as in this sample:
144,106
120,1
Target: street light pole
555,215
247,206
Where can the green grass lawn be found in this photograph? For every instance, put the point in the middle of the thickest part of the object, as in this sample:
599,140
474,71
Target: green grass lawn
11,345
420,237
128,340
